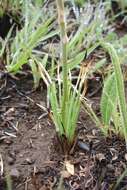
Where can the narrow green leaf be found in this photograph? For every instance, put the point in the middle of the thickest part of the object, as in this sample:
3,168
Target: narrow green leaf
72,63
35,72
108,99
120,86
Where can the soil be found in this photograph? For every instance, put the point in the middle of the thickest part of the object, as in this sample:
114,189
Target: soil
29,148
31,153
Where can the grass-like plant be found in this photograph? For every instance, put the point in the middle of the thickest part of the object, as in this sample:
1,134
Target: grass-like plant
64,99
22,49
113,105
113,96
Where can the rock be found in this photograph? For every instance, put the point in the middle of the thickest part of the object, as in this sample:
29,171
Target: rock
29,161
14,173
8,141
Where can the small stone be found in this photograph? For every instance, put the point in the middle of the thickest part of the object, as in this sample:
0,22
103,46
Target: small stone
14,173
42,135
8,141
100,157
29,161
20,155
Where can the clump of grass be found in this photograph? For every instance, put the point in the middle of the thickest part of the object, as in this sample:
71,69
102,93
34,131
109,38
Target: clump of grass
113,103
115,93
22,49
64,99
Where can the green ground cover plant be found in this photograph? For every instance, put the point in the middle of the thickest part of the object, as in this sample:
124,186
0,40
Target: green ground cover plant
65,96
22,48
86,38
113,105
114,94
65,101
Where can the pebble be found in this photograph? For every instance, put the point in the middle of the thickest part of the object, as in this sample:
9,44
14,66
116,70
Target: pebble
14,173
8,141
29,161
